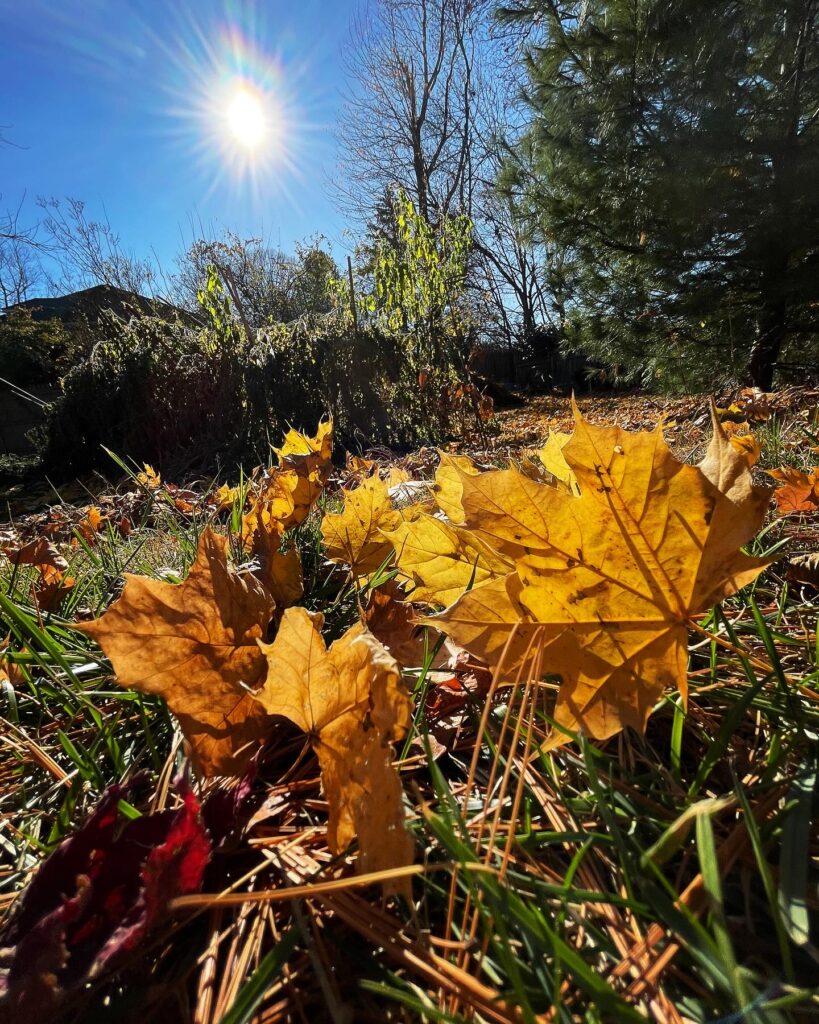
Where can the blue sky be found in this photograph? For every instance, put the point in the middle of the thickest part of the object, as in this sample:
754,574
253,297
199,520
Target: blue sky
123,104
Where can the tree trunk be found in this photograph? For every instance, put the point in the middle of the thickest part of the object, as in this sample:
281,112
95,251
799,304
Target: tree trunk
768,343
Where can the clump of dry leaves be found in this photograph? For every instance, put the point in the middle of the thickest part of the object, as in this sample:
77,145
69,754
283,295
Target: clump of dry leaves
595,573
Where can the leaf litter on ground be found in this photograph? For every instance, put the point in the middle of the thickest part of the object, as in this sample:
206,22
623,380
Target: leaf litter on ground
493,812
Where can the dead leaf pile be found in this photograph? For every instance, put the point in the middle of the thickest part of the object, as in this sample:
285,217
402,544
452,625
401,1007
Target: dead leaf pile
590,566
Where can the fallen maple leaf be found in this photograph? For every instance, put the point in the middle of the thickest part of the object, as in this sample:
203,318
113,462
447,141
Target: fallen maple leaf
53,584
355,536
554,461
351,703
53,587
97,896
449,487
797,491
280,572
743,441
358,468
392,621
149,478
804,569
40,553
606,583
319,447
289,490
223,497
10,673
195,645
90,524
442,561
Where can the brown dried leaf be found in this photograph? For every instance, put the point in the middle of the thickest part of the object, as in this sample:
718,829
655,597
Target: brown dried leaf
195,645
392,621
804,569
40,552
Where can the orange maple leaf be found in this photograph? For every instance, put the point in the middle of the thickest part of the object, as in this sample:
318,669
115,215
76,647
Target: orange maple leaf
195,645
797,491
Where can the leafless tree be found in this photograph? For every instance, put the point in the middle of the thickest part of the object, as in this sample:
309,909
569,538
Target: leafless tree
89,252
408,121
20,269
434,108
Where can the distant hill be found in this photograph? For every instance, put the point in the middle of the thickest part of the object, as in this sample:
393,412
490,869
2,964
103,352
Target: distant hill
89,303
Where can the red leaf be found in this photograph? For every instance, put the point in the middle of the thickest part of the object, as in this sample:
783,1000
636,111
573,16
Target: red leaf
98,895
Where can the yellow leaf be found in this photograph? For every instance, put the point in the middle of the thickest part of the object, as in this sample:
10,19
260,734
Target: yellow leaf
354,535
149,477
748,446
195,645
351,703
554,461
281,574
289,491
224,497
89,525
449,484
442,561
607,581
296,443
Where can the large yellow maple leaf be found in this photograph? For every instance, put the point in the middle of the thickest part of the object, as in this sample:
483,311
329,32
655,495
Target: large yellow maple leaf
351,703
606,583
195,644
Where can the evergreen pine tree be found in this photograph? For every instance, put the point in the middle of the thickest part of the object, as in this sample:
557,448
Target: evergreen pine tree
673,158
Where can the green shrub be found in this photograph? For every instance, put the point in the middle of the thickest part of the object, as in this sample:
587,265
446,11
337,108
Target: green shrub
32,352
184,397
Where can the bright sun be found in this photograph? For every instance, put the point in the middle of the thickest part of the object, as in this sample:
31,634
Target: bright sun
246,118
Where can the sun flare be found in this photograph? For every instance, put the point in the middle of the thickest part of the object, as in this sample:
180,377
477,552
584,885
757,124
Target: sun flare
246,113
247,118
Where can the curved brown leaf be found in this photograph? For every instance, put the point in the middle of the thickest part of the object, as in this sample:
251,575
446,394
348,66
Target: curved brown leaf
195,644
